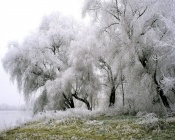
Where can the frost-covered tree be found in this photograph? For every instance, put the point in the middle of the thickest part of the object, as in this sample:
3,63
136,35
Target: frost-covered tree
130,47
99,53
144,31
55,59
59,98
41,102
110,66
42,57
83,79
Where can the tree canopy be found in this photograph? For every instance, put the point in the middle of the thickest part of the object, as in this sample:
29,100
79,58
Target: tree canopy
124,57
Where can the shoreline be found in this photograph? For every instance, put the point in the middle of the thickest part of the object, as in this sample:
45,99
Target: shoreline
94,128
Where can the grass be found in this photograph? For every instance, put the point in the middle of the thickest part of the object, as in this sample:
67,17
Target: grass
94,128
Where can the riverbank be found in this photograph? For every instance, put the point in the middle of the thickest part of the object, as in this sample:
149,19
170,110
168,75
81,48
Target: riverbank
93,127
12,118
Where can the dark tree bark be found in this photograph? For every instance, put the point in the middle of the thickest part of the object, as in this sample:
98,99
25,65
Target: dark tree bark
111,79
123,93
122,84
72,102
112,97
82,100
161,93
159,90
69,102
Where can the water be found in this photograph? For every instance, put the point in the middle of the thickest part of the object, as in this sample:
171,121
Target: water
10,119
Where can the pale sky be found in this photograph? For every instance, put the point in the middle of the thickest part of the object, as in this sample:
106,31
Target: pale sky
17,19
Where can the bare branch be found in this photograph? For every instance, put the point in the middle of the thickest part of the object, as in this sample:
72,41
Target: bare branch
142,12
105,28
112,15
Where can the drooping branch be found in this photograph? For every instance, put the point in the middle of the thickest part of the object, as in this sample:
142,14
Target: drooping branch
117,18
84,100
140,14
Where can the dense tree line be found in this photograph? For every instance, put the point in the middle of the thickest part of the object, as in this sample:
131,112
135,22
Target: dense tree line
126,55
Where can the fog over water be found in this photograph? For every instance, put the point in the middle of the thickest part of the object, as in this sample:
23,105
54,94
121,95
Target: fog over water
10,119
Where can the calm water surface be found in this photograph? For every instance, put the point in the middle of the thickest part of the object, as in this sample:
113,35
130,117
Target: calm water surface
10,119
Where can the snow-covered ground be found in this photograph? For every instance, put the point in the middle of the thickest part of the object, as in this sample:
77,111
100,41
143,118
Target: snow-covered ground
10,119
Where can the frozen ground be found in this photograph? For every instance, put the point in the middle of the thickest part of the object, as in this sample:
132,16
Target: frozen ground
80,124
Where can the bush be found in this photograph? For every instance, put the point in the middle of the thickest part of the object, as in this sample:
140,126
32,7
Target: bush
149,121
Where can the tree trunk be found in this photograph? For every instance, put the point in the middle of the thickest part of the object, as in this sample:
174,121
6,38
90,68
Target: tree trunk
112,97
83,100
69,102
161,93
159,90
123,94
88,105
72,102
163,97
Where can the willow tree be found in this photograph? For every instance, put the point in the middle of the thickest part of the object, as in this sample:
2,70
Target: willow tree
84,80
42,56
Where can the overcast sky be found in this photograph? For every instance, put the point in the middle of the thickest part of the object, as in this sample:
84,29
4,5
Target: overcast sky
17,19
